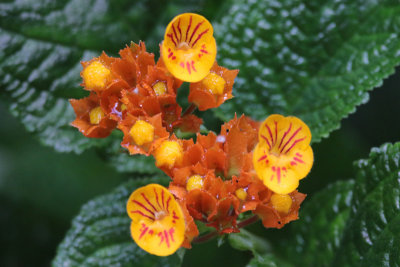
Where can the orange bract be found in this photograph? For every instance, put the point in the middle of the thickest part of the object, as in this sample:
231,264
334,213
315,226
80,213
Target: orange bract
189,48
158,224
142,146
283,155
83,108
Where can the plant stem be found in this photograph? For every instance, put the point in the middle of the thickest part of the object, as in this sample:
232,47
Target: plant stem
190,110
211,235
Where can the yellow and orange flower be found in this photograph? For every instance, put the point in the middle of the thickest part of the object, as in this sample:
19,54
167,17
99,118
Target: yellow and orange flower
214,89
158,223
283,155
91,119
189,48
142,135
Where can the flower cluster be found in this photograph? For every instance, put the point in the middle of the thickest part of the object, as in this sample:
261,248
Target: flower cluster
248,168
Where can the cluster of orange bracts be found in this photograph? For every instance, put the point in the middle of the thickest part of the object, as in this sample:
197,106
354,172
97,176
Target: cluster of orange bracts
248,167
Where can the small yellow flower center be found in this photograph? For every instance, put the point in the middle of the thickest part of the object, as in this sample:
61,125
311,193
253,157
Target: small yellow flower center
123,107
168,153
96,115
281,203
142,132
214,83
95,76
241,194
194,182
160,88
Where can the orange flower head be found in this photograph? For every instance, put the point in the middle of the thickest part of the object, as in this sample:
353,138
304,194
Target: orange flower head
189,48
283,155
91,120
158,224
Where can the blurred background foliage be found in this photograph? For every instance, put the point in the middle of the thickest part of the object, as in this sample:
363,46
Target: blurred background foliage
42,190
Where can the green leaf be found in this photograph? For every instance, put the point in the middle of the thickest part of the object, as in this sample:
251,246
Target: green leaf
42,44
100,236
313,59
267,260
372,235
245,240
352,223
316,236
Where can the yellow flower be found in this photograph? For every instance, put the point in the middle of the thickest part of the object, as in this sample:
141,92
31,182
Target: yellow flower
189,48
283,155
158,225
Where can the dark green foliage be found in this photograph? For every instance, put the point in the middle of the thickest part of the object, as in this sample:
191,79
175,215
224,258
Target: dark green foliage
311,59
100,236
352,223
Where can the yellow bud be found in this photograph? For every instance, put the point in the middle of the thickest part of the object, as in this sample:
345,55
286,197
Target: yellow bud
160,88
214,83
281,203
95,76
96,115
241,194
142,132
168,153
194,182
123,107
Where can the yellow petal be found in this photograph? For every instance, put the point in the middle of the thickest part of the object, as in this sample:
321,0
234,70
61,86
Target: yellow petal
189,48
158,225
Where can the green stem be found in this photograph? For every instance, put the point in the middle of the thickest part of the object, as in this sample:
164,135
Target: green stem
211,235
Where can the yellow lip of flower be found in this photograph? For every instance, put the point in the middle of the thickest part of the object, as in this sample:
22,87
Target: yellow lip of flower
158,224
282,203
283,155
142,132
194,182
168,153
96,76
189,48
96,115
214,83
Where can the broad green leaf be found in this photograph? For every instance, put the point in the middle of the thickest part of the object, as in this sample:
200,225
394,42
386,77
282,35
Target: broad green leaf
42,44
313,59
372,235
352,223
100,236
245,240
268,260
316,236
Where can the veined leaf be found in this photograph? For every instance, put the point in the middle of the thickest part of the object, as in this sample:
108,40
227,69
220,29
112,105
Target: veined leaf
352,223
372,235
100,236
311,59
316,236
267,260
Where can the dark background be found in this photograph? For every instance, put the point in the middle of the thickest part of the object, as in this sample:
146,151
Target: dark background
41,190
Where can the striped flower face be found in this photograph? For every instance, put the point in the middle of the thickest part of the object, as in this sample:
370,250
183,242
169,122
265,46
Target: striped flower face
283,155
189,48
158,225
